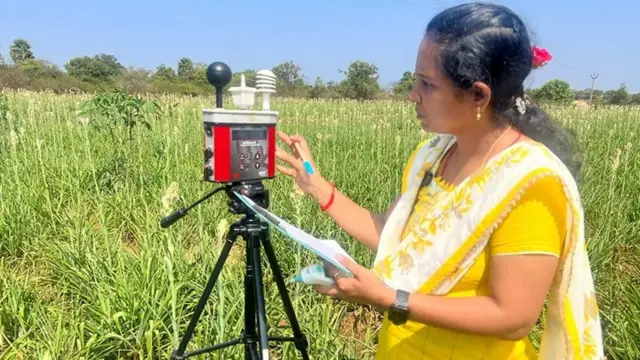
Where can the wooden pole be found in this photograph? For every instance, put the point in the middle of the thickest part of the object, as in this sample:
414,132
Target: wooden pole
593,85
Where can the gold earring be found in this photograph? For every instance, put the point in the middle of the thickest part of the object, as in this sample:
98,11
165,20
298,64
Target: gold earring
478,114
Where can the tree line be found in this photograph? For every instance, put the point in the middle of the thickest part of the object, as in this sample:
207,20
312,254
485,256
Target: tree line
24,70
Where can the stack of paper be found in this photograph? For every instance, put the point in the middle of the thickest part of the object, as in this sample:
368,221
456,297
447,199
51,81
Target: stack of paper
327,250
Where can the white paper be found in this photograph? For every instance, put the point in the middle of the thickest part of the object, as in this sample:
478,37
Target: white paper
325,249
335,246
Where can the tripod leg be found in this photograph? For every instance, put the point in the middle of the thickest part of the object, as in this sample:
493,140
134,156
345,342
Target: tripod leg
300,339
250,335
254,244
232,235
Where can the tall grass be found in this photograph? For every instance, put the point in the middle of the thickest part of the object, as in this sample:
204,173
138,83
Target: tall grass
86,272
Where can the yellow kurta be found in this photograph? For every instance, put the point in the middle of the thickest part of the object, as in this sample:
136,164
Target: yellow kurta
536,224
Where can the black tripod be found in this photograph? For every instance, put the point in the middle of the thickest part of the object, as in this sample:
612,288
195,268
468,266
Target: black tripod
255,233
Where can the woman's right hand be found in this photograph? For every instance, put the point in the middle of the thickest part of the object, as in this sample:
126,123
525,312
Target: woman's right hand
357,221
314,185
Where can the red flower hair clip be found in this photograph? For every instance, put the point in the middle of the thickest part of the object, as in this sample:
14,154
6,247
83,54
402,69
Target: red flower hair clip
540,57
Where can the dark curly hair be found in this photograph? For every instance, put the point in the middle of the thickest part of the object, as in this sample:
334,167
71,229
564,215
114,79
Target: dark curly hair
490,43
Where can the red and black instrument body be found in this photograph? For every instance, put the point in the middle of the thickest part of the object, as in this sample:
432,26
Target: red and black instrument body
239,145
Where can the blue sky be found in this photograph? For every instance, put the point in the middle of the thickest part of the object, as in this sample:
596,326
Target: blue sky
321,36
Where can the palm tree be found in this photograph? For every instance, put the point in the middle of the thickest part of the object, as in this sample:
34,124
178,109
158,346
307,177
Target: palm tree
20,51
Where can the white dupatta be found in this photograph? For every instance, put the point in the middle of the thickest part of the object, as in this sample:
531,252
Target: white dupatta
465,219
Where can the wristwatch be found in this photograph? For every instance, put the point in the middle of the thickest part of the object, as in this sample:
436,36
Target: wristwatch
399,312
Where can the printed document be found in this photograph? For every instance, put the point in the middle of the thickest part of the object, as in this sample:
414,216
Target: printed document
327,250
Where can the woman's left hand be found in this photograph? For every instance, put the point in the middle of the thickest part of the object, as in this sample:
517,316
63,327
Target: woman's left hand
363,288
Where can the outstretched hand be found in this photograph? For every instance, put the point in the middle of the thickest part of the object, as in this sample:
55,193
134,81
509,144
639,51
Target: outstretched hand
363,288
294,160
310,184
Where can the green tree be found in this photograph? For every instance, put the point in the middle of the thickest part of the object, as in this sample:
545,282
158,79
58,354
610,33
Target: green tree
361,81
289,79
402,88
199,74
583,94
289,73
164,72
619,96
110,61
134,80
333,90
556,91
319,89
20,51
35,68
99,68
185,68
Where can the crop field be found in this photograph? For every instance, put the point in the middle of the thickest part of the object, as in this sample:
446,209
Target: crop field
86,272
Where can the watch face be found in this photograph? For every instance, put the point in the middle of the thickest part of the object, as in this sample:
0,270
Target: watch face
397,317
398,314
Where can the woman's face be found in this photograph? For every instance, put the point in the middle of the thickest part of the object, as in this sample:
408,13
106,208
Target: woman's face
440,109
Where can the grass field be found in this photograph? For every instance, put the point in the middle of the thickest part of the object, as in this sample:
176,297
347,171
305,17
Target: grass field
87,273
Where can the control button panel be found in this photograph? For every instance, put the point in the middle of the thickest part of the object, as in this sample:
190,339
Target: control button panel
248,152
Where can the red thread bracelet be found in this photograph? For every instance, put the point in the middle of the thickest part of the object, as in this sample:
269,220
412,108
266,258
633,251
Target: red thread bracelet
333,192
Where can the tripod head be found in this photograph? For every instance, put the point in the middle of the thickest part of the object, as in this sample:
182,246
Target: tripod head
255,190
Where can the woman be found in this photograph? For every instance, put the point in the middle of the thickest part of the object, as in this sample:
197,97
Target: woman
488,221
